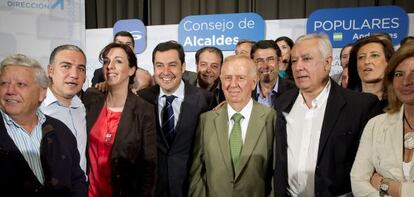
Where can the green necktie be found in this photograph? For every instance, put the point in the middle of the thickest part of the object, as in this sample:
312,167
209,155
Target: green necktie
236,141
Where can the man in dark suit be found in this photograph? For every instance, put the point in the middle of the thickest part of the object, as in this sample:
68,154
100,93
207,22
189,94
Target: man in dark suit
209,60
177,108
318,126
267,56
38,154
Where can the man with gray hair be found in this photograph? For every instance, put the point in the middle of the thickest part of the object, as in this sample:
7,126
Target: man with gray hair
38,154
67,73
318,125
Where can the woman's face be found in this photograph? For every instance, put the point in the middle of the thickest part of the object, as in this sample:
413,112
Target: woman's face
284,47
403,81
116,67
371,63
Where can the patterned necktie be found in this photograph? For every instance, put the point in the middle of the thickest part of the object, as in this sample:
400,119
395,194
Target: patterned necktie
236,141
168,119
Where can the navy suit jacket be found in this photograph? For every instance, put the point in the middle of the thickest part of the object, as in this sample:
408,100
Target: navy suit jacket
174,161
346,114
60,163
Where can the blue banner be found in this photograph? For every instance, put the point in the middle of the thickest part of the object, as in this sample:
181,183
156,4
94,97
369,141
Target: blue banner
346,25
220,30
137,29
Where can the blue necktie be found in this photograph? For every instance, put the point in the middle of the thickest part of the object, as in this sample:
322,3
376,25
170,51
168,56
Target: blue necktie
168,119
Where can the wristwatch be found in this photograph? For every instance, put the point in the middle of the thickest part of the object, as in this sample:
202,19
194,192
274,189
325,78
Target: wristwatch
384,186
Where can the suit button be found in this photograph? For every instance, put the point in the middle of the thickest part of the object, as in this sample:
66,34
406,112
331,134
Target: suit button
118,176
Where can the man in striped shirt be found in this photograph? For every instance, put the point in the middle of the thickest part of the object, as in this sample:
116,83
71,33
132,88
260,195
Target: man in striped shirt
38,154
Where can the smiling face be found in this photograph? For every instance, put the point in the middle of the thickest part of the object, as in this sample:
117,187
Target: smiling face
345,55
20,94
238,79
371,63
310,69
168,70
403,81
208,67
67,73
116,68
267,64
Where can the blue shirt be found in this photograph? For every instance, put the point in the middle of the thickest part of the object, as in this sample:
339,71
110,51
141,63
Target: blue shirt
28,142
266,100
74,117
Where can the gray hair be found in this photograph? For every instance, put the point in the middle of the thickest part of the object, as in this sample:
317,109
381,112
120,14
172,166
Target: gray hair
60,48
324,45
39,73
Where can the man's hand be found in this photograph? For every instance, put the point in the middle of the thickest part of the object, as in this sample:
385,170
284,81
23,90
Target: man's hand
102,86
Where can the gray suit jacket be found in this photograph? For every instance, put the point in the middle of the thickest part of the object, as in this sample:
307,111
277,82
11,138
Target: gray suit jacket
380,150
212,172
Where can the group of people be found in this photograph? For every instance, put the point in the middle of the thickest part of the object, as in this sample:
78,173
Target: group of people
267,121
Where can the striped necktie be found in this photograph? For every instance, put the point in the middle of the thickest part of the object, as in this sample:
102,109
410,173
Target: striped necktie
168,119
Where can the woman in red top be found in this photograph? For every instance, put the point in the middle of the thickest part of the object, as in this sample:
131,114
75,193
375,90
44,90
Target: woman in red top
122,133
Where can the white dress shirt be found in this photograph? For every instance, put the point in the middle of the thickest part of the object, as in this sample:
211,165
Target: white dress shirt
74,117
244,122
303,128
176,104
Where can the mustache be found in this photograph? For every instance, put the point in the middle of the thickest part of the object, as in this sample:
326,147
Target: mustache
266,70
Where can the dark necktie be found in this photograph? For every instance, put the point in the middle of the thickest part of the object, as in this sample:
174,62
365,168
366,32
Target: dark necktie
168,119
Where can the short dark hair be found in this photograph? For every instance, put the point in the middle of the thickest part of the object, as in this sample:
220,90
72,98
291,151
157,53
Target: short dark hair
132,59
354,81
286,39
125,34
214,50
266,44
169,45
382,35
406,39
64,47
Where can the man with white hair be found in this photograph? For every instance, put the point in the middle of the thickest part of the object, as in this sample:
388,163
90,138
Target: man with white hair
38,154
318,126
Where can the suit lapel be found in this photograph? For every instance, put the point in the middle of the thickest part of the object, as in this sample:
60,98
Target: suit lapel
127,116
254,131
188,104
334,105
221,128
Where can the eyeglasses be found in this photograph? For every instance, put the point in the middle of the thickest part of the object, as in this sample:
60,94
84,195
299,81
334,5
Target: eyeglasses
268,60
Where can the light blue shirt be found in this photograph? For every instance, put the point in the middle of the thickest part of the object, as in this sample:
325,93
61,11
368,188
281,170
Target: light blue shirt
27,142
179,94
74,117
266,100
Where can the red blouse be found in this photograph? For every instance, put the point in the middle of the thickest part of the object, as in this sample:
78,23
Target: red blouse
101,139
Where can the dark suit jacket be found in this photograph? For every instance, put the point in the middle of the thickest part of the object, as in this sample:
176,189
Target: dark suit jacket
133,157
174,162
283,86
346,114
191,78
60,162
98,77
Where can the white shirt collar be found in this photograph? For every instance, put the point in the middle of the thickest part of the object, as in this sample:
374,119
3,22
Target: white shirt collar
321,98
179,92
51,98
246,111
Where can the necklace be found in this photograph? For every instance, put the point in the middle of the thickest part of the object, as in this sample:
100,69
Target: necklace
409,136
